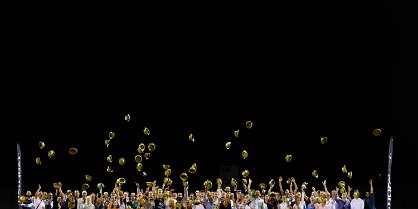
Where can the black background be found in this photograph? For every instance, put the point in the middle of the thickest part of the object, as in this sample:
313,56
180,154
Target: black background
297,70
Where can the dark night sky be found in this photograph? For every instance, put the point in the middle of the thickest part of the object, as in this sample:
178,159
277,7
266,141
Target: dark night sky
298,70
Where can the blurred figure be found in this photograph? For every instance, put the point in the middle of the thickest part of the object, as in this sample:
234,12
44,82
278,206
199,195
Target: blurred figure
369,199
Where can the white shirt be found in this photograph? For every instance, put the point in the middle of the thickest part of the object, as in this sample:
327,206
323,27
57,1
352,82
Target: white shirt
332,204
301,205
257,203
283,205
357,203
38,203
199,206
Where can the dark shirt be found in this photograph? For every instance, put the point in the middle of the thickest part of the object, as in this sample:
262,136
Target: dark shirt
26,202
272,204
341,204
369,202
159,204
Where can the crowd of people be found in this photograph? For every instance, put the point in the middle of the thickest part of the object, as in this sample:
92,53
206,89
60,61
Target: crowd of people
155,197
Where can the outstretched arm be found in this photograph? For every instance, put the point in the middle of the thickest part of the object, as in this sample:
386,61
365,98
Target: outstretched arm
325,185
371,186
296,186
280,185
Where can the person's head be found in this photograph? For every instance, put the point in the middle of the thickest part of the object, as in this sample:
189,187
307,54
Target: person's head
151,196
367,194
298,196
28,194
257,193
178,205
327,195
50,196
344,195
88,200
99,200
171,203
115,204
271,197
356,194
266,198
197,201
189,203
244,201
334,193
84,194
179,195
210,198
39,195
132,197
224,201
76,193
323,201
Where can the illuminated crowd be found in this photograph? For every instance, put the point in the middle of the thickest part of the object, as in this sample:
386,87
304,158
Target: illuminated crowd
152,196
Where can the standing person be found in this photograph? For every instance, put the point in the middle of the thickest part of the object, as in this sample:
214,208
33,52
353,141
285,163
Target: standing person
49,203
357,202
39,202
369,199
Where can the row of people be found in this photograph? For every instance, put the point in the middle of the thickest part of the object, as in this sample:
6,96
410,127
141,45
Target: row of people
222,198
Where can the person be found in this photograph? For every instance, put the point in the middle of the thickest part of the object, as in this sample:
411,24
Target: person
28,204
256,201
38,201
369,199
49,203
357,202
343,202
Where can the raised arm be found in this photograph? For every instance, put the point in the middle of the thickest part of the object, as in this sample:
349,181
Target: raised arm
371,186
296,186
348,193
185,196
280,185
325,185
